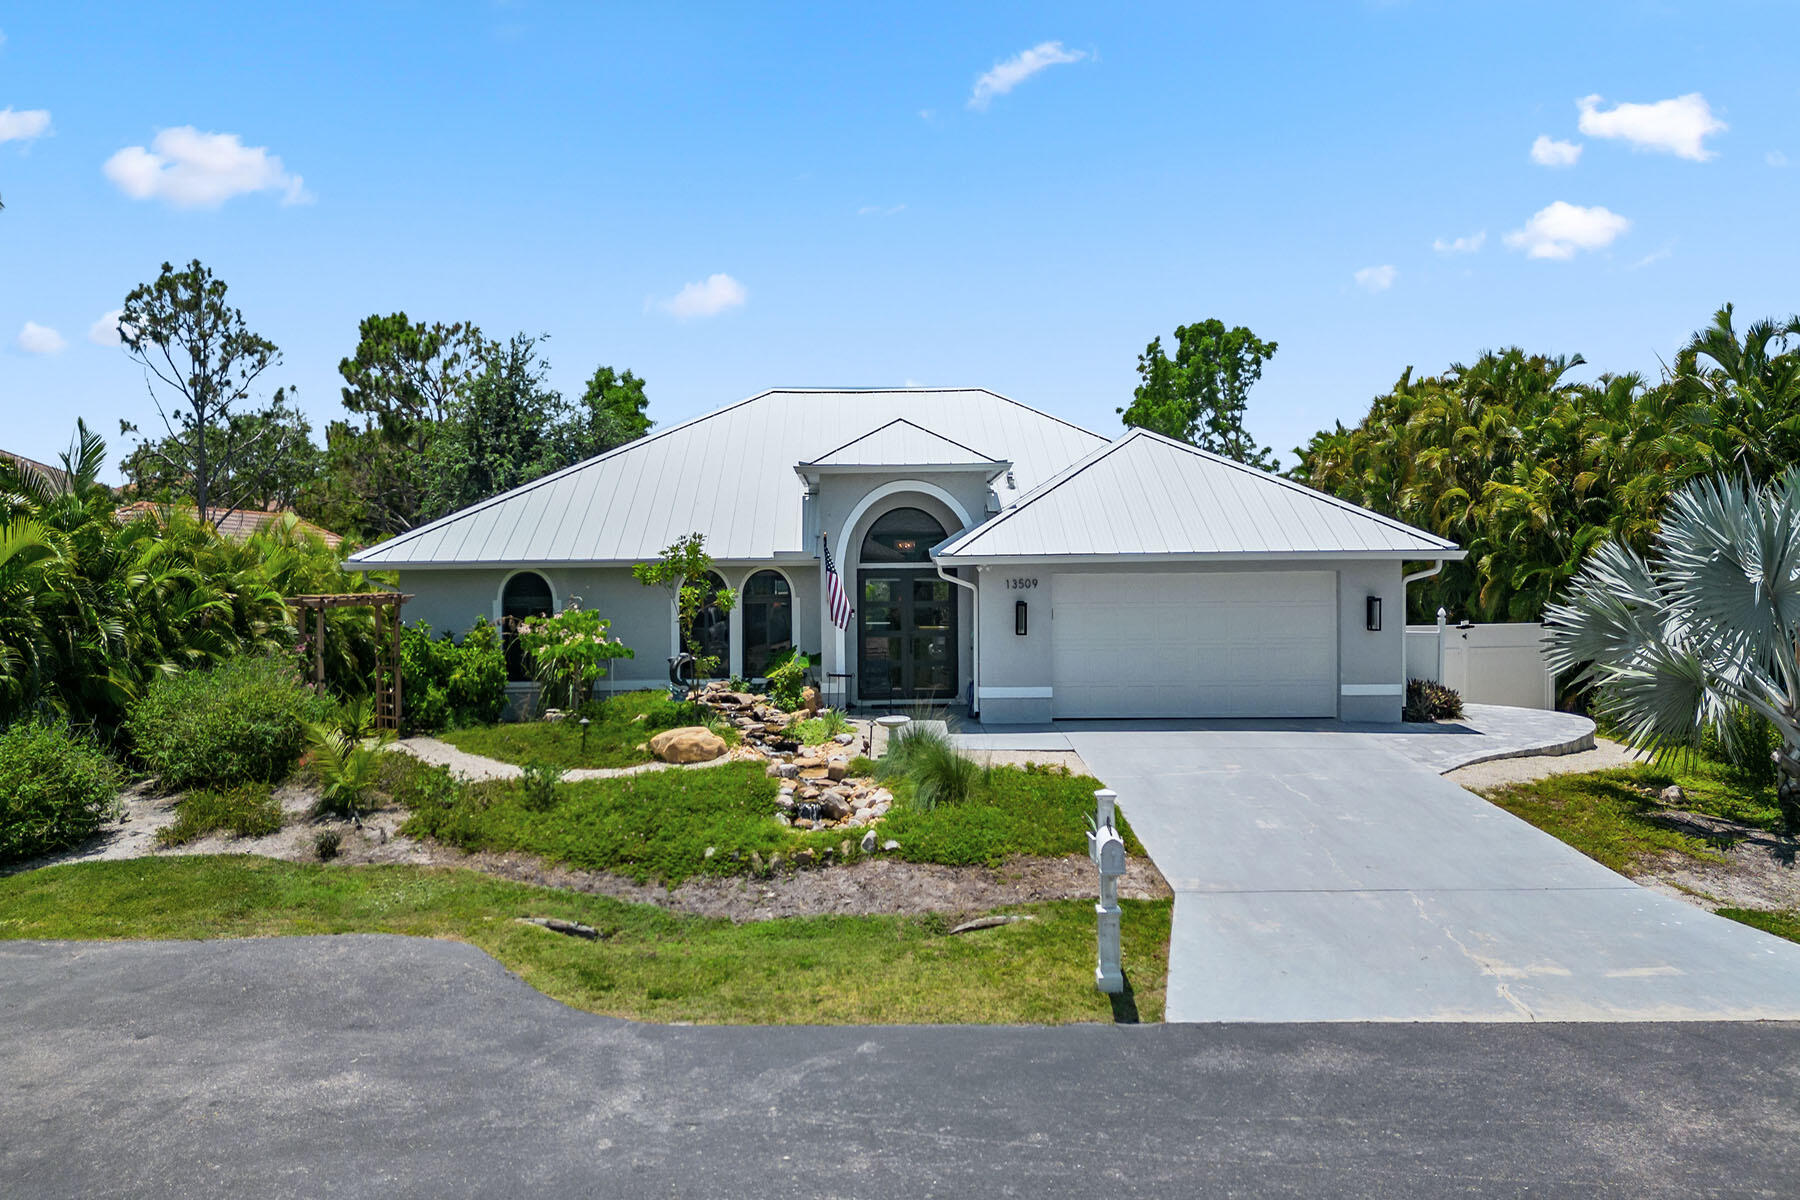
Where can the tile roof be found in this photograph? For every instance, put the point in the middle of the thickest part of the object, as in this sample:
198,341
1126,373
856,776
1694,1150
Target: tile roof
239,524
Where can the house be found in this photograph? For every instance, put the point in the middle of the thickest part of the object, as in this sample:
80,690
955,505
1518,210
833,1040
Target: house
237,524
994,556
55,475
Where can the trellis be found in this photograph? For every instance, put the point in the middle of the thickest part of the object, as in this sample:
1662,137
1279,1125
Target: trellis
387,644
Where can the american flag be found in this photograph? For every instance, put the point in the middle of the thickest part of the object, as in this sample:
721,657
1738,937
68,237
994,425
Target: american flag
841,612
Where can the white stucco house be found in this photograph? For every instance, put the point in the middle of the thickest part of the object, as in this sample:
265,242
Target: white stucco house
995,556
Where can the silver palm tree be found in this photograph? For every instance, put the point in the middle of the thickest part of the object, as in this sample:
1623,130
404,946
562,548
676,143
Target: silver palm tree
1709,623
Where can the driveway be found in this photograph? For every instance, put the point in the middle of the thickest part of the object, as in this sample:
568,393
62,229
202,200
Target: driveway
394,1067
1329,873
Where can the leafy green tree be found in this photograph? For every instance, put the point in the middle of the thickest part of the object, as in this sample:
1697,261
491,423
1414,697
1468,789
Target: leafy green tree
569,652
202,361
611,412
1200,395
501,432
1749,389
1707,624
685,572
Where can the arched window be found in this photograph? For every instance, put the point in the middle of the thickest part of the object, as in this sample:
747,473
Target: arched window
525,595
712,624
902,535
768,621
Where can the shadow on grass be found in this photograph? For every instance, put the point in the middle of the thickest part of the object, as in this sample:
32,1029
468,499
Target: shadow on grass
1124,1004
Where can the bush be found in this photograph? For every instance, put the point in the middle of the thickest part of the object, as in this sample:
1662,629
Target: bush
1746,741
243,721
55,789
1429,700
447,684
346,766
787,680
327,844
931,767
538,786
247,810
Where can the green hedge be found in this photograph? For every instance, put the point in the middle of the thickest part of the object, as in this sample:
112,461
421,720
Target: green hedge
241,722
449,684
55,789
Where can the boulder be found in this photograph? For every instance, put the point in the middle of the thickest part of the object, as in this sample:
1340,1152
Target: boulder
689,744
809,700
814,773
868,842
837,768
734,700
845,739
1673,795
890,845
834,806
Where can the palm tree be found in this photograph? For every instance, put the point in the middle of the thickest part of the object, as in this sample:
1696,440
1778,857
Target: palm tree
1709,623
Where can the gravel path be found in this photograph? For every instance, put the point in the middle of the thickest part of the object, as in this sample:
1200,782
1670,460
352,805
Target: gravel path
477,767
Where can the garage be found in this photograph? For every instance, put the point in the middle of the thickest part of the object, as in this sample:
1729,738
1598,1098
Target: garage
1195,644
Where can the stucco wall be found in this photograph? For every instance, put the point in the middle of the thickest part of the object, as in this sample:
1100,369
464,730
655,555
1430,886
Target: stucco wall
1015,677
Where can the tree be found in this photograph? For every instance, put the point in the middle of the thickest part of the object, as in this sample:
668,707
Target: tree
685,572
501,431
277,461
405,379
1749,389
609,414
199,354
1200,395
1710,623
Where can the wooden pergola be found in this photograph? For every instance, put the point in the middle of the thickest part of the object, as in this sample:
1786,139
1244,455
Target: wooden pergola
387,644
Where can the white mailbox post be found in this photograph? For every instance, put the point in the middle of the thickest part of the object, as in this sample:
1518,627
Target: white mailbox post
1107,849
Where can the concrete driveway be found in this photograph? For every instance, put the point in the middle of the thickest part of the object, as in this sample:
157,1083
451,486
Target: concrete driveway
1323,874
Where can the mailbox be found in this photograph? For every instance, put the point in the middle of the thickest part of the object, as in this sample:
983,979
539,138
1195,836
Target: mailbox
1107,849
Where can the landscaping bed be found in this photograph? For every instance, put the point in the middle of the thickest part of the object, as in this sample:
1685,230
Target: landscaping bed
644,963
618,732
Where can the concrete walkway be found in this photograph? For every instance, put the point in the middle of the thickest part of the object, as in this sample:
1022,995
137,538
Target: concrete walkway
390,1067
1334,875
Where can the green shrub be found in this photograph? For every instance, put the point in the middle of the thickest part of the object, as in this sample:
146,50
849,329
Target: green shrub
539,784
247,810
828,724
787,680
447,684
346,767
1746,741
243,721
327,844
55,789
933,772
1428,700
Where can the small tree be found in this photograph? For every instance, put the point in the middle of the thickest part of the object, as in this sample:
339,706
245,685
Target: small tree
569,652
683,571
1707,626
1199,396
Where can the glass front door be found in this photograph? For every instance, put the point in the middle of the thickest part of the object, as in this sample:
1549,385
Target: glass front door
907,626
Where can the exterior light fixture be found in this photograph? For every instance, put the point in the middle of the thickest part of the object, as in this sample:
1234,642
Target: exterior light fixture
905,544
1019,618
1373,614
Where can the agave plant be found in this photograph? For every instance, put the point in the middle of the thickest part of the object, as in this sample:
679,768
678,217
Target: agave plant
1709,624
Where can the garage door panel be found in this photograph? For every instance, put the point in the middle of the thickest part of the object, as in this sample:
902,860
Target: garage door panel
1236,644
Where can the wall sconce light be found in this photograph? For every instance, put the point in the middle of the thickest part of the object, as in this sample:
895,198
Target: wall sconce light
1019,618
1373,614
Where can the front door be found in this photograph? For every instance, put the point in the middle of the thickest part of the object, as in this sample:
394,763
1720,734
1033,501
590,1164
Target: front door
906,624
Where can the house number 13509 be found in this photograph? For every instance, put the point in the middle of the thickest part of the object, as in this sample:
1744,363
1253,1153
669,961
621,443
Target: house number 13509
1015,582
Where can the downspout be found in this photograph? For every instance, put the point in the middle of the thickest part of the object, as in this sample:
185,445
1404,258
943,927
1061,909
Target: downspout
974,635
1435,567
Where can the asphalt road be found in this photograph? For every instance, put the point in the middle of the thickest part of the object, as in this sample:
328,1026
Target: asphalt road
376,1066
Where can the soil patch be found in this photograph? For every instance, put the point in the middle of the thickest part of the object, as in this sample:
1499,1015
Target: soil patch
1760,869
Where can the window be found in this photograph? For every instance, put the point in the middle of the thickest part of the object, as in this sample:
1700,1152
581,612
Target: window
902,535
525,595
712,624
768,621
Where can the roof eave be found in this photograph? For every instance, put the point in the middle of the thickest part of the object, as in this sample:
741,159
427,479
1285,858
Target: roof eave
1416,555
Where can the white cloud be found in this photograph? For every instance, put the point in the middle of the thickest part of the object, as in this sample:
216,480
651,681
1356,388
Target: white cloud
708,298
1654,257
1376,279
1563,228
23,125
1548,152
40,339
190,169
880,210
1461,245
105,331
1005,76
1776,158
1679,126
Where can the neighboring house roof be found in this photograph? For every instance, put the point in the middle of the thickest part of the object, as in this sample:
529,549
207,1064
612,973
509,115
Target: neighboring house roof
729,475
1146,496
55,474
239,524
901,443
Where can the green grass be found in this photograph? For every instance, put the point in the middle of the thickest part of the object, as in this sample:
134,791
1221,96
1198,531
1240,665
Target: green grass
1780,923
658,825
650,965
1615,818
247,810
617,727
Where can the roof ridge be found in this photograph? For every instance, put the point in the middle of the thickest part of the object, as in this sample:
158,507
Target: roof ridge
1043,489
930,433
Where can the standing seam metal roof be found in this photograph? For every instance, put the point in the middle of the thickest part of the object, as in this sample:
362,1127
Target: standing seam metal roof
1149,495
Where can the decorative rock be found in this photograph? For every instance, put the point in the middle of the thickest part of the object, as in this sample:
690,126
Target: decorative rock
804,761
804,857
710,851
808,792
783,771
837,768
991,922
845,739
734,700
558,925
783,819
689,744
756,863
834,806
809,700
785,800
774,863
1673,795
890,844
814,773
868,842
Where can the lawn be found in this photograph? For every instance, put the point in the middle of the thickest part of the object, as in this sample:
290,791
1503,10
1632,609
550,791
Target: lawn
659,825
1781,924
1614,817
617,726
649,964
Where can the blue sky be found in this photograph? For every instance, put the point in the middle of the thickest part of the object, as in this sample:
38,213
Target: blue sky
852,209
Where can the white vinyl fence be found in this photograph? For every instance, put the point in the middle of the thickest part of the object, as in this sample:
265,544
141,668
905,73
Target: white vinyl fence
1486,664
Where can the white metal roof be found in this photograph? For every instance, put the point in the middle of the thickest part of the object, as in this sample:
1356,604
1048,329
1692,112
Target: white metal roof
901,443
1148,496
729,475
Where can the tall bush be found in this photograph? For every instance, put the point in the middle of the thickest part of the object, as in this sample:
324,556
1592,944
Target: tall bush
448,683
243,721
569,652
55,789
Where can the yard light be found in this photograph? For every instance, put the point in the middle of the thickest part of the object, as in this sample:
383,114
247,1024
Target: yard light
1373,614
584,729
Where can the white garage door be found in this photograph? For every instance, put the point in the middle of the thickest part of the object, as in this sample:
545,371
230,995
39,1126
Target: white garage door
1244,644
